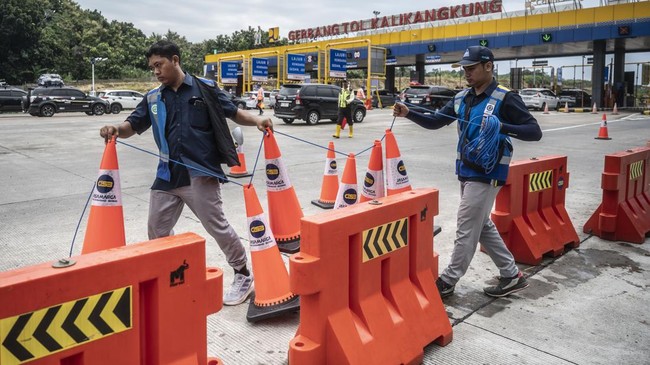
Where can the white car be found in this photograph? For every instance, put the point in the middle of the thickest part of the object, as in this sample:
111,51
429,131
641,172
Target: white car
121,99
539,99
251,99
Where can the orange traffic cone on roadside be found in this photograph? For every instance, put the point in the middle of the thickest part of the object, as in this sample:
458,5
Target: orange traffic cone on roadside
284,209
602,132
330,185
373,182
239,171
397,179
566,107
545,109
594,110
615,110
105,227
348,189
368,104
272,295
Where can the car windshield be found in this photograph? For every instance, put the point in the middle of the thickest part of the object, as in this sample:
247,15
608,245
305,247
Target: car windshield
528,92
418,90
289,90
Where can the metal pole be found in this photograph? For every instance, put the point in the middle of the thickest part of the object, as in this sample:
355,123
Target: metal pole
92,89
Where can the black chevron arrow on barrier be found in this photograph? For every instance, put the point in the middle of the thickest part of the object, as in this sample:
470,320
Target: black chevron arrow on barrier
377,240
123,308
41,331
366,245
385,239
95,316
68,324
11,342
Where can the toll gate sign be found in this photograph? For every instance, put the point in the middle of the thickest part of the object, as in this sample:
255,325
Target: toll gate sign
296,67
229,72
338,63
260,69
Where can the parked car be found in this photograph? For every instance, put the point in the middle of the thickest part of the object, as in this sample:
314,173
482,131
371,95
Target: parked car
428,96
121,99
387,98
251,99
11,99
538,98
46,101
50,80
313,102
575,98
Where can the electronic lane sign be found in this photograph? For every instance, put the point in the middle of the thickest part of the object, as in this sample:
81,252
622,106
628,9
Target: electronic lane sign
483,42
296,67
547,37
338,63
229,72
260,69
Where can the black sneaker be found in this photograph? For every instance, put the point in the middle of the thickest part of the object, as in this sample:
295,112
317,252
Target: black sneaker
444,289
507,286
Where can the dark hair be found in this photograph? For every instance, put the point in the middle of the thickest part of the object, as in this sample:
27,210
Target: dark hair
164,48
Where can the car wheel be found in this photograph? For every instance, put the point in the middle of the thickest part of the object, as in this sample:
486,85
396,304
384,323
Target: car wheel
287,120
359,114
116,108
98,109
312,117
47,110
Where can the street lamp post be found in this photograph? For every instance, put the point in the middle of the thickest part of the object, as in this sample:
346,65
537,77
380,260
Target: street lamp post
92,66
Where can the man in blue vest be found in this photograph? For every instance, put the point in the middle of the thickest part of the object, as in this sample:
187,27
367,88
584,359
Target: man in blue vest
188,118
484,106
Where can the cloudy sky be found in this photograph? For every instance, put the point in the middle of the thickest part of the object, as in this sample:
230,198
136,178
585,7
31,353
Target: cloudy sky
198,20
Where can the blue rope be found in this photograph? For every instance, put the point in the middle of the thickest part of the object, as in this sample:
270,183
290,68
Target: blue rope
257,158
209,173
80,219
311,143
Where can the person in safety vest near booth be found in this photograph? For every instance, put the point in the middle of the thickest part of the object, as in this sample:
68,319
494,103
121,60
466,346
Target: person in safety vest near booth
345,111
260,99
487,114
188,118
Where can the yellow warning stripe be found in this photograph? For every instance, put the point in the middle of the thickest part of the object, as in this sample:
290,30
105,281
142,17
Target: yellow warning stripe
540,181
34,335
384,239
636,169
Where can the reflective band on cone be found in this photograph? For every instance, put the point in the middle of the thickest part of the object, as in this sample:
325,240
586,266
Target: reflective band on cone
373,181
397,179
348,189
330,185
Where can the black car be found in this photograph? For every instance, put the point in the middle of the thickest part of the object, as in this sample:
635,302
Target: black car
313,102
11,99
429,96
386,97
46,101
574,98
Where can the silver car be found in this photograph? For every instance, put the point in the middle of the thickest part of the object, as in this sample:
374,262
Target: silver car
538,98
121,99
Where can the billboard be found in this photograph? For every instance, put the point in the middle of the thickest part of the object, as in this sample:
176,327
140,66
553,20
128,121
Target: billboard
260,69
229,72
338,63
296,67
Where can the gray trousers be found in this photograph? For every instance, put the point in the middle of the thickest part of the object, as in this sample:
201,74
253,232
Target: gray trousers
474,226
203,197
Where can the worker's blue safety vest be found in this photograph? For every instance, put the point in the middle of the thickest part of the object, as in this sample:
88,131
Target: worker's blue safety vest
158,116
489,106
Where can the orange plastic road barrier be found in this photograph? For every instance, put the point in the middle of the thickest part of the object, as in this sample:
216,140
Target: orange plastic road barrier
397,179
239,171
272,295
105,227
144,303
348,189
529,211
602,132
330,185
624,213
366,279
373,182
284,209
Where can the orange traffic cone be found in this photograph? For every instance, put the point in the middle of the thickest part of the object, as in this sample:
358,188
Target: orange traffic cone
368,104
602,132
545,109
347,194
272,295
566,107
105,227
615,111
330,181
397,179
239,171
594,110
373,183
284,209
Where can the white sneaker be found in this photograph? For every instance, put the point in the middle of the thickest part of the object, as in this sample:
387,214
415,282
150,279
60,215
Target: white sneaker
242,286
